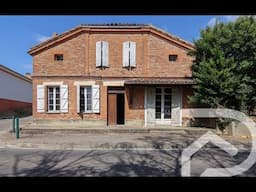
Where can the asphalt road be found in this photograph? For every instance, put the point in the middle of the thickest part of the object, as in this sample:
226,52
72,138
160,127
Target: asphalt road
101,163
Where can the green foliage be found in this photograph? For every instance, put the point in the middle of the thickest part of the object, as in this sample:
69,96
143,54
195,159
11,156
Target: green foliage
225,65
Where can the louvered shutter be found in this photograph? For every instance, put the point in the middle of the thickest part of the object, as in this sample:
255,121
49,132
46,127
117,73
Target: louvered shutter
64,98
98,54
105,56
126,54
40,98
133,54
96,98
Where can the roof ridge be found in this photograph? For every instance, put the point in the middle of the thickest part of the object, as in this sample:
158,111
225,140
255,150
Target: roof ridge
115,24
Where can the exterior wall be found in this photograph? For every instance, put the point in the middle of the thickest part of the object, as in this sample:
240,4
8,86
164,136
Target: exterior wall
7,105
13,88
134,113
152,57
134,105
186,119
79,64
72,101
187,91
159,64
74,51
116,68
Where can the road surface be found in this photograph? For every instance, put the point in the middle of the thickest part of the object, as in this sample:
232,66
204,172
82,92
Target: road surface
98,163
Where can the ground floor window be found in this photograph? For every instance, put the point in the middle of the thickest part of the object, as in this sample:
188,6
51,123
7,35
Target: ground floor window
53,99
86,99
163,101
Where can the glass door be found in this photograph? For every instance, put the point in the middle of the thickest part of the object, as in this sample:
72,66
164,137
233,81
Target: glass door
163,102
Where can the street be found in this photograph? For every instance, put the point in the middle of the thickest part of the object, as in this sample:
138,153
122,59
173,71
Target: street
98,163
111,154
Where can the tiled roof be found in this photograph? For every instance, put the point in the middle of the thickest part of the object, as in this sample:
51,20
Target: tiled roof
160,81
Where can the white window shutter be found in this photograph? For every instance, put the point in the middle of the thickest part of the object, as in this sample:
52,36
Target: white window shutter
96,98
78,98
105,48
98,54
40,98
133,54
126,54
64,98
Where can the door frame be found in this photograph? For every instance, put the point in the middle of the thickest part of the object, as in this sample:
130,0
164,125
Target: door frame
171,121
163,121
116,91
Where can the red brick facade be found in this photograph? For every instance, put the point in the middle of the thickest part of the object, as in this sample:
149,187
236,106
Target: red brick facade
78,48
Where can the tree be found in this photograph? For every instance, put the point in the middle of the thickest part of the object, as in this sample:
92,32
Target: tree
224,68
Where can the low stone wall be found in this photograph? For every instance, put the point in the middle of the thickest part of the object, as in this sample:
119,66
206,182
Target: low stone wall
199,122
239,129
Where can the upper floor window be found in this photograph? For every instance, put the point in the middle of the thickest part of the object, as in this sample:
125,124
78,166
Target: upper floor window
58,57
129,54
102,54
173,57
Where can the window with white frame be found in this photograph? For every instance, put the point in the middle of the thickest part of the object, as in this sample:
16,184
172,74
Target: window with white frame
88,99
102,54
54,99
54,96
129,54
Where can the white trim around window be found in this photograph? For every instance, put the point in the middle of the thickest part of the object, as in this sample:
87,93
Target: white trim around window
56,83
53,99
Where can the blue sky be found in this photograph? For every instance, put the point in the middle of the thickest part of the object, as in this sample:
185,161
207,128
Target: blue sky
19,33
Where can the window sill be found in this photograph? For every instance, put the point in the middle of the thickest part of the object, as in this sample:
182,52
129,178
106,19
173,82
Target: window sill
102,67
53,112
89,112
130,68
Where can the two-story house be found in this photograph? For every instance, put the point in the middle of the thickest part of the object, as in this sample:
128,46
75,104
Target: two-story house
114,74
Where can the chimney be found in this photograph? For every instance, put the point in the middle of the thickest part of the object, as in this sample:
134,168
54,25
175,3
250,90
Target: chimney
28,75
54,34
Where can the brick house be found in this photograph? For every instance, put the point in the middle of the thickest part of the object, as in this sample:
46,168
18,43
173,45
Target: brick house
113,74
16,92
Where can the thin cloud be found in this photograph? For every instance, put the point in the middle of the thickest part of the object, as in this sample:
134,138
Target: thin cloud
212,22
226,18
230,18
41,38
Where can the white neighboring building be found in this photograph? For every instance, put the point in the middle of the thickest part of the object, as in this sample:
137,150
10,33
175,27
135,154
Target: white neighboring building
15,90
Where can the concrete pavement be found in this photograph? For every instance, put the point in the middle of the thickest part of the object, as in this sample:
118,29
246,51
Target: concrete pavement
73,140
157,153
108,163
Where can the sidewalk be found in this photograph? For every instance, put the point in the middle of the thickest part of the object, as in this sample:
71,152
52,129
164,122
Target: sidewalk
72,140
